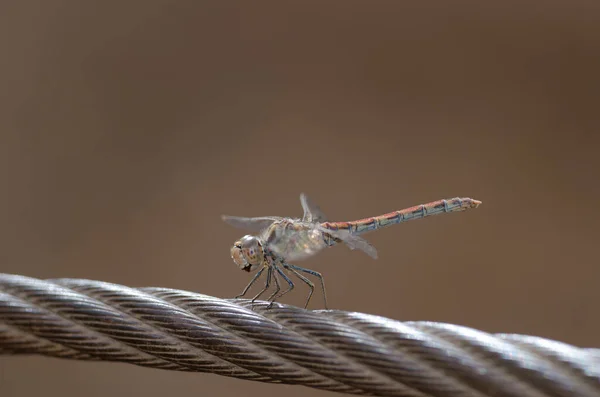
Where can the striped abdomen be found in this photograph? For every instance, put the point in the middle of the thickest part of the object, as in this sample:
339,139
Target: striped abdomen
420,211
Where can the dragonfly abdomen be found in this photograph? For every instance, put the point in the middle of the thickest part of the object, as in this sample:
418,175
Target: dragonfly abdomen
419,211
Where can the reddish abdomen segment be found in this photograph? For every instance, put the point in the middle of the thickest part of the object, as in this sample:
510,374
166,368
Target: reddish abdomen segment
419,211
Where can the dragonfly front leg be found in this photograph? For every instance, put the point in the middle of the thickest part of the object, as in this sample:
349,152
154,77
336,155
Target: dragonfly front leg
267,283
316,274
256,276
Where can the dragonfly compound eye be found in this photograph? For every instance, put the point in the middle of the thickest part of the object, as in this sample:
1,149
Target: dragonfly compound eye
238,257
252,251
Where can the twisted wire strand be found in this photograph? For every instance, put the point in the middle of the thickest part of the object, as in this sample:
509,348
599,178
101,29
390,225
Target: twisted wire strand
332,350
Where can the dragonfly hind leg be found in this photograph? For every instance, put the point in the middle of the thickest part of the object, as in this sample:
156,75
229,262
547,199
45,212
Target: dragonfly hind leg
294,269
316,274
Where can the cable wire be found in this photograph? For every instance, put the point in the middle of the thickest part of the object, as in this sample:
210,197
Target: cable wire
332,350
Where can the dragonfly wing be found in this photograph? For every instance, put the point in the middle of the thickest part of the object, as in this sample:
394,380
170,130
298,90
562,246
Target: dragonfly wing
353,242
312,212
255,224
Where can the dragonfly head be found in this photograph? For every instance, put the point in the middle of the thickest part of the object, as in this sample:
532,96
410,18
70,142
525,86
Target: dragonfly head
248,253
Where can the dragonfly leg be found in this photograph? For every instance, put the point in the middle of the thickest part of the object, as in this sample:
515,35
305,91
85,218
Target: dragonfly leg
287,279
256,276
277,289
445,205
301,277
316,274
267,283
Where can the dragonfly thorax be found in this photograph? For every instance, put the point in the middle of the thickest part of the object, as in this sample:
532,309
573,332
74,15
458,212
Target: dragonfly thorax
248,253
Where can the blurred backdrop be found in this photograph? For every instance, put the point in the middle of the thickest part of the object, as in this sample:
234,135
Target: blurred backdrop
127,128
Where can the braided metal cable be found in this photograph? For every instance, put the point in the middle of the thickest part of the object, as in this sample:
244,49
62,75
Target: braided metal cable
332,350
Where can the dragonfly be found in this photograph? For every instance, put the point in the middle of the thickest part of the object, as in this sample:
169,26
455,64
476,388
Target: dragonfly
281,240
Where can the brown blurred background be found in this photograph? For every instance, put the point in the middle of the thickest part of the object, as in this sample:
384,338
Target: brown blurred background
127,128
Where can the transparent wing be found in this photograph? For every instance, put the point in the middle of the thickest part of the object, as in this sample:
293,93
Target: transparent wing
255,224
352,241
312,212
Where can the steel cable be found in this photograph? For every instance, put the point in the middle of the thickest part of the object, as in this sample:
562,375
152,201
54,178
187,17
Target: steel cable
331,350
